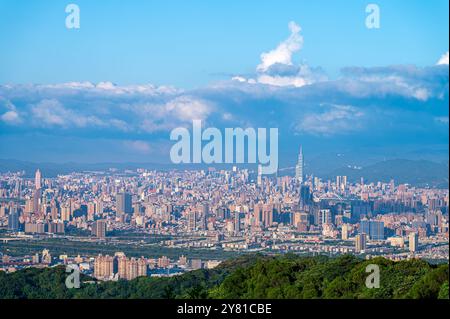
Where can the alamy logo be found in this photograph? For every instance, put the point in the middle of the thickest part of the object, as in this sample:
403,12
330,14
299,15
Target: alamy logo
373,17
73,279
233,146
373,280
73,17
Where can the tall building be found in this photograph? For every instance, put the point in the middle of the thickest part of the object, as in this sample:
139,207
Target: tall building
123,202
99,229
305,196
345,230
413,242
237,222
373,228
360,242
192,220
13,219
38,179
103,267
299,174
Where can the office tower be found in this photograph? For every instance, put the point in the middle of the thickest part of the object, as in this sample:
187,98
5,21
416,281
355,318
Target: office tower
373,228
360,242
299,174
99,229
13,219
305,196
38,179
123,202
413,242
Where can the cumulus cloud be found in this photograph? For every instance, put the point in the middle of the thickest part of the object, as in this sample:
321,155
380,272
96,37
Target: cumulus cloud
277,68
282,54
443,60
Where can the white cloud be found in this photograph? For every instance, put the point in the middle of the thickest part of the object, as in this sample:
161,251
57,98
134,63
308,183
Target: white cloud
11,117
443,60
277,68
52,113
337,119
176,112
283,52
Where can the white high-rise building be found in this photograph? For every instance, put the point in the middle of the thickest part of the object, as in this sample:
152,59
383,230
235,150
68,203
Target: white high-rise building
299,175
37,179
413,242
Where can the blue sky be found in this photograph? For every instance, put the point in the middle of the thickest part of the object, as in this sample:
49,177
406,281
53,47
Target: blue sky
115,88
191,43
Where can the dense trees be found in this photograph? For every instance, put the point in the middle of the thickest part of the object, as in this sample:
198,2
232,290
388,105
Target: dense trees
287,276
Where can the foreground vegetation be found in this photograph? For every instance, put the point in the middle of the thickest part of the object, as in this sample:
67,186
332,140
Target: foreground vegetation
287,276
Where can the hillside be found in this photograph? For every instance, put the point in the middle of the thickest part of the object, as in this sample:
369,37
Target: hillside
257,277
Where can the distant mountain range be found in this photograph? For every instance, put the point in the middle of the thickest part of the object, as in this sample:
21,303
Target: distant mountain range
414,172
420,173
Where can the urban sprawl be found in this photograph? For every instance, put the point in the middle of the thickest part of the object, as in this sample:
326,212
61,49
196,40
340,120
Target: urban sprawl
214,213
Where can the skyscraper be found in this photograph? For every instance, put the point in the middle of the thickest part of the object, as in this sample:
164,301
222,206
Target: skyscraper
38,179
123,201
13,219
305,196
299,174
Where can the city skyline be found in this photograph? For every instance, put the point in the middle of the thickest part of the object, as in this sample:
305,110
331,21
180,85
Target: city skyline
224,150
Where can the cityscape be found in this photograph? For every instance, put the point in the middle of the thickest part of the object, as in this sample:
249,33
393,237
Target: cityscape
246,154
212,211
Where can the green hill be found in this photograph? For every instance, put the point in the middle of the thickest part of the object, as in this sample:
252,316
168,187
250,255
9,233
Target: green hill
258,277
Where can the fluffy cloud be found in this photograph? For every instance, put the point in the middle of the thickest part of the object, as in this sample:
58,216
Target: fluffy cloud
282,54
11,117
277,68
443,60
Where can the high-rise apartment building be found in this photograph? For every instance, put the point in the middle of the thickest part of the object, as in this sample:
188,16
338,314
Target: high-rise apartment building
360,242
413,242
